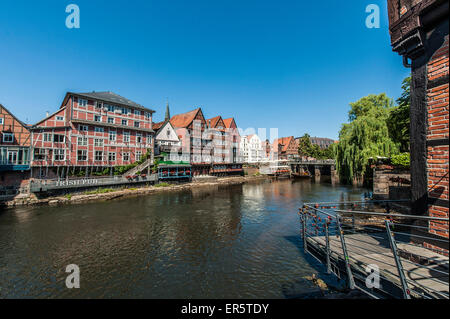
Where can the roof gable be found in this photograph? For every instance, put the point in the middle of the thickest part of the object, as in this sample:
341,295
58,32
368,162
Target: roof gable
185,119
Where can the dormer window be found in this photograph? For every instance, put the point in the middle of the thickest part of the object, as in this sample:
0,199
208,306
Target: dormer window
60,118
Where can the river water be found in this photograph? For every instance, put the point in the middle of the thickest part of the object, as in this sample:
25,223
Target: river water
210,242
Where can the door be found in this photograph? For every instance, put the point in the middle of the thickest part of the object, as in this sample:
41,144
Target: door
12,157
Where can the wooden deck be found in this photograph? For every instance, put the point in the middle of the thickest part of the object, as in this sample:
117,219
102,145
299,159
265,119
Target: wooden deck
366,249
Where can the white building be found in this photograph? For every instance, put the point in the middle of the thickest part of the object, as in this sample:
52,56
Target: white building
252,149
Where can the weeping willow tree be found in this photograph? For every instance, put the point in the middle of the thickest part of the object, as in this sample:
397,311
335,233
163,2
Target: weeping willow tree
365,136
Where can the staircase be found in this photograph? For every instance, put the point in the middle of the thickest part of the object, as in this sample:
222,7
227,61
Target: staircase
139,168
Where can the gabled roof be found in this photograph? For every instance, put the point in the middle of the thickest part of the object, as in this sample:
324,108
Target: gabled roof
184,119
228,122
213,121
283,142
51,115
110,97
14,117
157,126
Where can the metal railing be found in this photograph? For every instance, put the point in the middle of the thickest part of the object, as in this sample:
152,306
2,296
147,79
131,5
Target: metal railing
354,239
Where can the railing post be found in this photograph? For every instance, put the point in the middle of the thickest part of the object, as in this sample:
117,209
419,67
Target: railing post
304,221
351,281
406,292
327,238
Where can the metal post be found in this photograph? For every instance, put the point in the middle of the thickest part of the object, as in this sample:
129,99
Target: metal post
406,292
327,237
351,281
304,220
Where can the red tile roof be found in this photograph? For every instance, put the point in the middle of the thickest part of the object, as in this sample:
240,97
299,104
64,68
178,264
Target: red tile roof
184,120
157,126
283,142
228,122
213,122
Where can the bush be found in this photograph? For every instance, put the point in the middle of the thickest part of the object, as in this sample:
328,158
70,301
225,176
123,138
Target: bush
162,185
401,160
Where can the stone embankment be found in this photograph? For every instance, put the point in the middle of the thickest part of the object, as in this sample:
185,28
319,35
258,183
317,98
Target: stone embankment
102,194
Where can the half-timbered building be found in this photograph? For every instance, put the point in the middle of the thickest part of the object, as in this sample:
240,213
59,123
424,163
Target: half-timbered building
91,132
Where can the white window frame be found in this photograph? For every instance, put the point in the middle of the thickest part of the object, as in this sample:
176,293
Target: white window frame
83,128
1,121
98,129
84,141
82,102
111,134
11,135
98,142
137,124
84,153
126,157
59,142
60,118
124,122
96,154
109,156
111,120
139,138
98,117
59,152
126,137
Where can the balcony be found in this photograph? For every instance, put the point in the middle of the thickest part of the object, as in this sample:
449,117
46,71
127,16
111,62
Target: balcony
14,159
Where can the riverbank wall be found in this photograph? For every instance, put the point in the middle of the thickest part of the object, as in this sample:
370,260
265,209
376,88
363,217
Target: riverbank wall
103,194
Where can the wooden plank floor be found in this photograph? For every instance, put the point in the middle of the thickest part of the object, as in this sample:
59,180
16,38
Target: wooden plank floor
367,249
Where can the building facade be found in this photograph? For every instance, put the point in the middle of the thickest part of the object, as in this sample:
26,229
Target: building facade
15,151
419,33
285,148
91,132
252,149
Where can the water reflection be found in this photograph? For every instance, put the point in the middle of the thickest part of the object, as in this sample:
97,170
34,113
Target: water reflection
208,242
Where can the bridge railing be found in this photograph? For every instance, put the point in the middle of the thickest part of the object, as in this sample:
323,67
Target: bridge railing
355,239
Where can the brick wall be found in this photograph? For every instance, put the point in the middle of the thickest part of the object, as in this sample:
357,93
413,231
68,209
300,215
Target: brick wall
438,129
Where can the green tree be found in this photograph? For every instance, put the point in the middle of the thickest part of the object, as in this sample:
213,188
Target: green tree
399,118
366,136
305,147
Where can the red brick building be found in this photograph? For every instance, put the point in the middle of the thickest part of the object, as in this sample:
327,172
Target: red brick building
285,148
14,150
91,132
419,32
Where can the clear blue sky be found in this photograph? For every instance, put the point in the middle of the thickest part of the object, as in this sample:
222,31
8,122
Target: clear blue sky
286,64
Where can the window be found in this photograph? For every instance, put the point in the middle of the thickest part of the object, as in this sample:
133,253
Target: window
57,138
138,138
110,120
1,121
82,141
124,110
137,112
149,139
99,129
148,115
112,136
112,157
98,156
98,142
137,124
124,122
60,118
40,154
82,155
8,137
126,157
82,102
111,108
83,128
97,118
58,155
138,155
99,105
47,137
126,137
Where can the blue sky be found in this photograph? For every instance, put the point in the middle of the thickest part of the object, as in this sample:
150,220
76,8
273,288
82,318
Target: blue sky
287,64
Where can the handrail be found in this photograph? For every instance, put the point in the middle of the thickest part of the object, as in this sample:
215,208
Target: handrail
392,215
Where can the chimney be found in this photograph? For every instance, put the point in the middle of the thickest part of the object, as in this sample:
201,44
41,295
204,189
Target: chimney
47,114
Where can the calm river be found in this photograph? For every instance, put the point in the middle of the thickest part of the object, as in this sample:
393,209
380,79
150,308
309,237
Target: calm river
227,242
